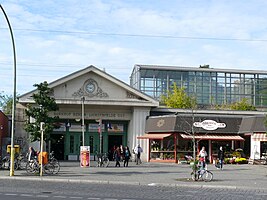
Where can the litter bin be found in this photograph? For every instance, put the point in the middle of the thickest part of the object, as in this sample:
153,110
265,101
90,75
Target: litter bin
45,157
16,147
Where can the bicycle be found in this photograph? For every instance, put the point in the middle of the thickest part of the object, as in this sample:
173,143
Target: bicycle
53,161
102,160
203,175
34,167
21,161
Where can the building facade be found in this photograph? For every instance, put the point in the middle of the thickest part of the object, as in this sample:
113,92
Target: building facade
122,113
210,86
104,103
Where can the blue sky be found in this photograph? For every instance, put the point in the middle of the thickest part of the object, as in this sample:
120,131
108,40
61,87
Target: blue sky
55,38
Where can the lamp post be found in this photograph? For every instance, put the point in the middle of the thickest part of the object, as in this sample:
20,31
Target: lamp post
83,118
12,152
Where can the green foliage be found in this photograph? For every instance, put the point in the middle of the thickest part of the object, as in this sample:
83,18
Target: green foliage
6,102
242,105
44,104
177,98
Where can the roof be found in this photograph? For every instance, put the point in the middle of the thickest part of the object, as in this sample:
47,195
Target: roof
180,68
184,124
25,98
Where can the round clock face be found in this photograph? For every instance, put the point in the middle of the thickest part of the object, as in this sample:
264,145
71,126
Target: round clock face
90,87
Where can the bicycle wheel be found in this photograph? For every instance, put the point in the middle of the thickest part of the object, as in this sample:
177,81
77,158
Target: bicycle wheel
207,176
56,167
31,168
48,168
105,162
22,164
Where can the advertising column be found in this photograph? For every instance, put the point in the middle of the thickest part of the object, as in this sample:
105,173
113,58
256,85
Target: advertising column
85,156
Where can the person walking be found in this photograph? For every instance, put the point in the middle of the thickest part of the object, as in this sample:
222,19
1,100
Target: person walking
138,150
127,155
117,157
221,157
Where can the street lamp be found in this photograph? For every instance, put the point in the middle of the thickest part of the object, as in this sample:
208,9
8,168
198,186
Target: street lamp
83,118
12,152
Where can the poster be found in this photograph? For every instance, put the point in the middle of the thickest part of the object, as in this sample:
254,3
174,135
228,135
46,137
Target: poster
85,156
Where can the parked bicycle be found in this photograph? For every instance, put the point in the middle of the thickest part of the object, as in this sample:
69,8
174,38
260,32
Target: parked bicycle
202,175
51,167
52,160
20,161
102,160
34,167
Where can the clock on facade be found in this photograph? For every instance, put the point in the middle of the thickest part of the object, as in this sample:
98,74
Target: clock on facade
90,87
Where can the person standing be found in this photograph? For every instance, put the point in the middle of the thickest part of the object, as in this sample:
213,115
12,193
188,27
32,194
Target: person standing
138,150
127,155
221,157
202,158
117,157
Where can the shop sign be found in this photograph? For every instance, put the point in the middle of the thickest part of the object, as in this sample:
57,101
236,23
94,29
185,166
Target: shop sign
209,125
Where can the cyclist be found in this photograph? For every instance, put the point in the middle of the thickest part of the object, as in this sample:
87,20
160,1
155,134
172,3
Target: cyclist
32,154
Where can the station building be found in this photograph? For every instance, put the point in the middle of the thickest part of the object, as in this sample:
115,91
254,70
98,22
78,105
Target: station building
131,115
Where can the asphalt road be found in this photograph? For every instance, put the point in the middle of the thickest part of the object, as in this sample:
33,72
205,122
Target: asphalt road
27,189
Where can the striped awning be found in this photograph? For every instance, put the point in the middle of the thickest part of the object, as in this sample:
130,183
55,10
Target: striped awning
214,137
154,136
259,137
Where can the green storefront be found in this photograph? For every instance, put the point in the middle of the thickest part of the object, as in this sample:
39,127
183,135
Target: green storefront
70,138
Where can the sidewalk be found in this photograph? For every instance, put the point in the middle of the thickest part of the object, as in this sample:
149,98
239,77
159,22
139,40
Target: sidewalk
161,174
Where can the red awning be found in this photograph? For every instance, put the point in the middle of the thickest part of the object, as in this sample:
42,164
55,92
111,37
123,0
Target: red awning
154,136
213,137
259,137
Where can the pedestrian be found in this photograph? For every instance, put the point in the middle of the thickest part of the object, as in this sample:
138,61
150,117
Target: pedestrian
32,154
202,158
127,155
117,157
221,157
121,152
138,150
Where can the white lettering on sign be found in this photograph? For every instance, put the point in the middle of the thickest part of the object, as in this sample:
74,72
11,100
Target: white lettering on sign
209,125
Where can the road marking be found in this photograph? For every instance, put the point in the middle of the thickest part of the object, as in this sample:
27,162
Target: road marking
75,197
42,196
92,198
127,199
10,194
110,199
62,197
26,195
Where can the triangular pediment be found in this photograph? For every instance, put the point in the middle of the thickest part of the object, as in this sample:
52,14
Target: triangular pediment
94,85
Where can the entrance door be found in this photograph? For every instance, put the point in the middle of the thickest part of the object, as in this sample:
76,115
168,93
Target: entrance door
113,141
74,146
57,145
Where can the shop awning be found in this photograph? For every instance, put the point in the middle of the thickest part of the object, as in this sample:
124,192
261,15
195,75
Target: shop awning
213,137
154,136
259,137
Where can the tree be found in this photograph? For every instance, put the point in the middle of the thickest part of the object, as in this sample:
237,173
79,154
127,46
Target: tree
44,104
242,105
177,98
6,103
